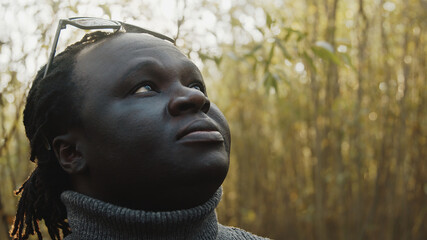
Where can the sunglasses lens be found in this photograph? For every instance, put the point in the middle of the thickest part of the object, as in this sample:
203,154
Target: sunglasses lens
95,22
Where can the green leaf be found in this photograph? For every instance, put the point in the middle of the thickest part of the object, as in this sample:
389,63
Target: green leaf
235,22
345,57
270,57
282,76
270,81
261,30
276,79
218,60
284,51
325,54
253,50
309,61
254,67
73,8
203,56
268,20
290,31
301,36
106,9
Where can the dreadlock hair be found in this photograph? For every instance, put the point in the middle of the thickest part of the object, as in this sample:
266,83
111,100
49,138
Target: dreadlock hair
51,109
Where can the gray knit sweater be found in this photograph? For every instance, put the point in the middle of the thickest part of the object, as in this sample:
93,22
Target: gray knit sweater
90,218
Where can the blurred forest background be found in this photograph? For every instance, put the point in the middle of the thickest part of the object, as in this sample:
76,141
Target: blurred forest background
326,101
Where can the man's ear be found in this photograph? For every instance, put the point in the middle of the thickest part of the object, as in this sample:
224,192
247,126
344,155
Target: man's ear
68,154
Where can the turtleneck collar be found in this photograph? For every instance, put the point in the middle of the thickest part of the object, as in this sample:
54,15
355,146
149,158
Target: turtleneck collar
90,218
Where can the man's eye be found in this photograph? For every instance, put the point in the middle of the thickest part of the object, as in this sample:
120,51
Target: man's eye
198,86
144,88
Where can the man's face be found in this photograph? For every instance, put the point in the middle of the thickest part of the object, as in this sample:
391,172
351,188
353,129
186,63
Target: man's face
152,140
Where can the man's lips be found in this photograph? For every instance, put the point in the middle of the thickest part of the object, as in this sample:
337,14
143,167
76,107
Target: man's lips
201,130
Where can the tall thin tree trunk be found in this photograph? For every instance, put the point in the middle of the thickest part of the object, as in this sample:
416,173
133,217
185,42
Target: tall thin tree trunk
317,168
332,129
356,138
382,170
401,219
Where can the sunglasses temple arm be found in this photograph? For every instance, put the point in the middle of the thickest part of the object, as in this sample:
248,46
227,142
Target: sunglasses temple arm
132,28
53,50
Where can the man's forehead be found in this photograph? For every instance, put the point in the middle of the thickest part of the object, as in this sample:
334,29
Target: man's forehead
115,55
125,42
112,59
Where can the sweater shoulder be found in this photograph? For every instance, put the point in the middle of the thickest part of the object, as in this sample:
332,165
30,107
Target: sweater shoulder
234,233
224,233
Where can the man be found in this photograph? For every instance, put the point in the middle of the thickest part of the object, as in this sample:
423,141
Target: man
125,137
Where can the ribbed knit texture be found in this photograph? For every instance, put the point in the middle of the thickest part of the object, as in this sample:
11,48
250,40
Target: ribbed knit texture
90,218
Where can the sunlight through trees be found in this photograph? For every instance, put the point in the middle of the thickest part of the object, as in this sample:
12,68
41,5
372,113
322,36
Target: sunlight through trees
326,102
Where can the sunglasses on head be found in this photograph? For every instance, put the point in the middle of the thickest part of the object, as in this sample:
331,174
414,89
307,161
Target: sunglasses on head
90,23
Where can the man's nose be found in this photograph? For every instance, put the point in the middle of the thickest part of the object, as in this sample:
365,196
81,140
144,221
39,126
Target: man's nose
186,100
